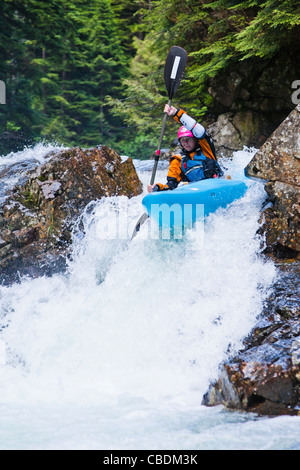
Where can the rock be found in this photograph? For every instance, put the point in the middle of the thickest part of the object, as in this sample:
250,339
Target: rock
232,131
279,157
258,89
37,217
225,135
265,376
278,162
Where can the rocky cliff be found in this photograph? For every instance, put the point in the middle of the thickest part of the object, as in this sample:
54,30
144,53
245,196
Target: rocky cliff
278,162
250,99
37,216
264,377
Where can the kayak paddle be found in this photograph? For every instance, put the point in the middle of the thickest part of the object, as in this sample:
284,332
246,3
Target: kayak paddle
174,69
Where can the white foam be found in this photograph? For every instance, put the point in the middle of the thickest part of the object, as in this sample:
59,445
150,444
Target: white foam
134,332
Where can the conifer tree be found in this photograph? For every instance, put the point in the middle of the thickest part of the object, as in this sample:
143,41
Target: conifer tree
59,60
66,63
215,34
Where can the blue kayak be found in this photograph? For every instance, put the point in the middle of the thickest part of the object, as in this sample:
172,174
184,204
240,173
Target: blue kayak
192,201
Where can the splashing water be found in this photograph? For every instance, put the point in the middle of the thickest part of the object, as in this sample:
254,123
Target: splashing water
16,164
118,352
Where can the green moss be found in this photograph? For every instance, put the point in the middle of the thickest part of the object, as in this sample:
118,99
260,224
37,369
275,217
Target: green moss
42,178
29,199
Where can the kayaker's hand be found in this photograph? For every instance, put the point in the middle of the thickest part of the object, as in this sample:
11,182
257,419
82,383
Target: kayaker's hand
151,187
170,110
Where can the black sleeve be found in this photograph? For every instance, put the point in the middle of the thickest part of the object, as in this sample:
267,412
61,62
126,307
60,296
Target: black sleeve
172,182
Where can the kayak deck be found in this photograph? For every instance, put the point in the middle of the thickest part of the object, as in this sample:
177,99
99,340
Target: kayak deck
190,202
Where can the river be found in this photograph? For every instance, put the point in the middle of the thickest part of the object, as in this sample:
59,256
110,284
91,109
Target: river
118,352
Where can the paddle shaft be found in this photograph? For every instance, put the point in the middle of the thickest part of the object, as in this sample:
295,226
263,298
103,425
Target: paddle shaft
174,69
159,145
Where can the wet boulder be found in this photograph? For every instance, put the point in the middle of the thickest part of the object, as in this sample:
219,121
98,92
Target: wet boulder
264,377
232,131
278,162
38,215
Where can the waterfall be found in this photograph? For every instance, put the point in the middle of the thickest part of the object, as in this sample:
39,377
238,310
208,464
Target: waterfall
118,351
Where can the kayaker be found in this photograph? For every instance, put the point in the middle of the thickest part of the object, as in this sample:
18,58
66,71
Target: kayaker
197,160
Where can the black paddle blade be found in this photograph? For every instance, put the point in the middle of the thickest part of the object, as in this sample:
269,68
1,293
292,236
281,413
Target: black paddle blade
174,69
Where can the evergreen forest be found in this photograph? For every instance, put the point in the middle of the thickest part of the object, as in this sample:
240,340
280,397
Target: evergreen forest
90,72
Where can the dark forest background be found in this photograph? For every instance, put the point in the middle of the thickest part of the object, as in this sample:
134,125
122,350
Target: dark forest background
90,72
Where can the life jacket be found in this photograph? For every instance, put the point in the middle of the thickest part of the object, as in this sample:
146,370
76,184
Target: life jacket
200,167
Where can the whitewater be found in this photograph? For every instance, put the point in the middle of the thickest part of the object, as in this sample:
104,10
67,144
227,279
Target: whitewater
117,352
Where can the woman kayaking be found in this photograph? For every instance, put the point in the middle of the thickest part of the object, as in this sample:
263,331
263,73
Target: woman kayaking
197,160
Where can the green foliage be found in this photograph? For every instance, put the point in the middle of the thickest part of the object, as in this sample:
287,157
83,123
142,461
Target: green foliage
85,72
263,27
215,35
62,58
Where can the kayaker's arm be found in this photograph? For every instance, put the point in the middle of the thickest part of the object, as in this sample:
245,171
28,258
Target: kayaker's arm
189,123
197,130
173,176
172,183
